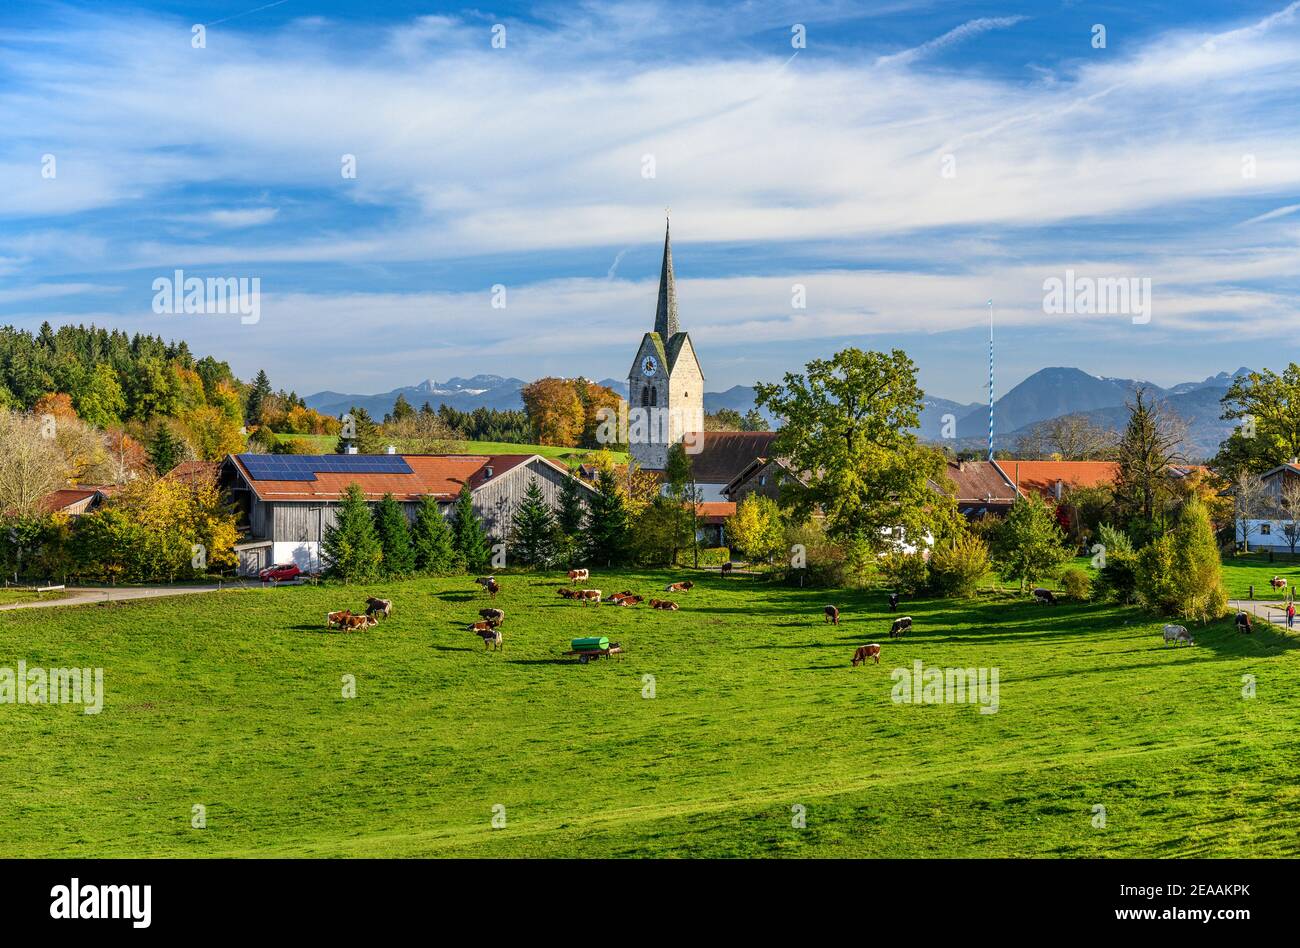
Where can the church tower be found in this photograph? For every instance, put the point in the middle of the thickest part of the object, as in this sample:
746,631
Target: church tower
665,387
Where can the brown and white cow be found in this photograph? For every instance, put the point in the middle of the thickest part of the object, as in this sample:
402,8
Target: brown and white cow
684,586
333,619
493,615
865,652
567,593
666,604
589,596
382,607
353,622
578,576
490,635
832,614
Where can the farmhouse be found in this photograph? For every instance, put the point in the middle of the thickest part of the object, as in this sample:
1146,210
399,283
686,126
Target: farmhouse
286,503
1270,528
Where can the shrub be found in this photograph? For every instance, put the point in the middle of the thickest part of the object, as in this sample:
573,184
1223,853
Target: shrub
710,556
958,564
823,560
909,573
1179,574
1118,577
1076,583
1029,544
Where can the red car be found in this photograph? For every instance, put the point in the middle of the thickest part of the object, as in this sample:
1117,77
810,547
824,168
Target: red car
279,574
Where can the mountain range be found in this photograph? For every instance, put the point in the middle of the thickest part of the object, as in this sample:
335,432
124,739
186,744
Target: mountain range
1048,393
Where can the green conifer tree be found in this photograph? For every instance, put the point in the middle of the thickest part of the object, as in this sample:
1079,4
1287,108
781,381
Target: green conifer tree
432,540
394,538
351,548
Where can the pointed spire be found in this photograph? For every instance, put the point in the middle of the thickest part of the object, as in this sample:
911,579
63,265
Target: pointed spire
666,311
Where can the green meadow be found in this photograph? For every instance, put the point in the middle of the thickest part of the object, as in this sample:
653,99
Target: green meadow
734,727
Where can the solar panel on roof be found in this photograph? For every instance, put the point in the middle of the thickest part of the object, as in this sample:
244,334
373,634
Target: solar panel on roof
288,467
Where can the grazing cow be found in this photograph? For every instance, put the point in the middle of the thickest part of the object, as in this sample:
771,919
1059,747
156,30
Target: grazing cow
1044,596
567,593
339,618
493,615
490,635
726,569
578,576
865,652
589,595
1243,622
1176,634
1277,582
893,602
832,615
899,626
485,580
382,607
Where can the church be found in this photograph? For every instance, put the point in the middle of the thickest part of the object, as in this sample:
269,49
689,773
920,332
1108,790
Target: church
666,386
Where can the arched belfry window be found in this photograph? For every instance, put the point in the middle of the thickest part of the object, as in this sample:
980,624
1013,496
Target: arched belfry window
649,396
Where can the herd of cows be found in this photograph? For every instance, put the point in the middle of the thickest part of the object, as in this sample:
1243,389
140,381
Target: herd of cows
488,627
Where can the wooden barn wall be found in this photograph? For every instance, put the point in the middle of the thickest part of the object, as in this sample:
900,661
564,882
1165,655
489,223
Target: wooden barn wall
497,500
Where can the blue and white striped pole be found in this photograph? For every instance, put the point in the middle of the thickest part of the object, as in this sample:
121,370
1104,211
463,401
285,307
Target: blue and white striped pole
990,380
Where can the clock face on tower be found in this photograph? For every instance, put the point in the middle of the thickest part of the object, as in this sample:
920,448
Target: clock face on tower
649,366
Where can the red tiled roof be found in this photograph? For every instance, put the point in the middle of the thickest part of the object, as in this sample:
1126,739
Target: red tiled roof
714,511
1042,476
438,474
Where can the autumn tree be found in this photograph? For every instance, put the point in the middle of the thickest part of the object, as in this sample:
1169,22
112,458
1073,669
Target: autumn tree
31,464
757,528
555,411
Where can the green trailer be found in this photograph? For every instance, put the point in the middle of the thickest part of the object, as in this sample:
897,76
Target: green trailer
585,655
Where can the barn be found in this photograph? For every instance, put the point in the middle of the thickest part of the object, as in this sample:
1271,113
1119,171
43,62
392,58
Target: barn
286,503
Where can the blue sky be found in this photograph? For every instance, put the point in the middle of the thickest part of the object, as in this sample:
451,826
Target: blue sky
526,166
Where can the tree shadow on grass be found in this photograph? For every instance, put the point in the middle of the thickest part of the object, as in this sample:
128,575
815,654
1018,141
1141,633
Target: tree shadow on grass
454,648
542,661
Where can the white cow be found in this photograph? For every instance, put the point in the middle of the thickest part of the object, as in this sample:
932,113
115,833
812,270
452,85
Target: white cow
1176,634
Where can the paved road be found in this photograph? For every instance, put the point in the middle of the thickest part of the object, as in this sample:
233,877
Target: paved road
77,596
1274,612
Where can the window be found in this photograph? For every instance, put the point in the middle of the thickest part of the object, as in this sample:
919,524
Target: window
1265,529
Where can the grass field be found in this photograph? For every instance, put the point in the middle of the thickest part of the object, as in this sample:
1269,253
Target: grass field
12,595
570,456
233,700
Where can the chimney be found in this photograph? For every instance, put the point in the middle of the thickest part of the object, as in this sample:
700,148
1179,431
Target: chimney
390,450
352,449
487,472
1060,489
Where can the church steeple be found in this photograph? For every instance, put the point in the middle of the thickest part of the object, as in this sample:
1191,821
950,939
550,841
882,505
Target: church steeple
666,311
